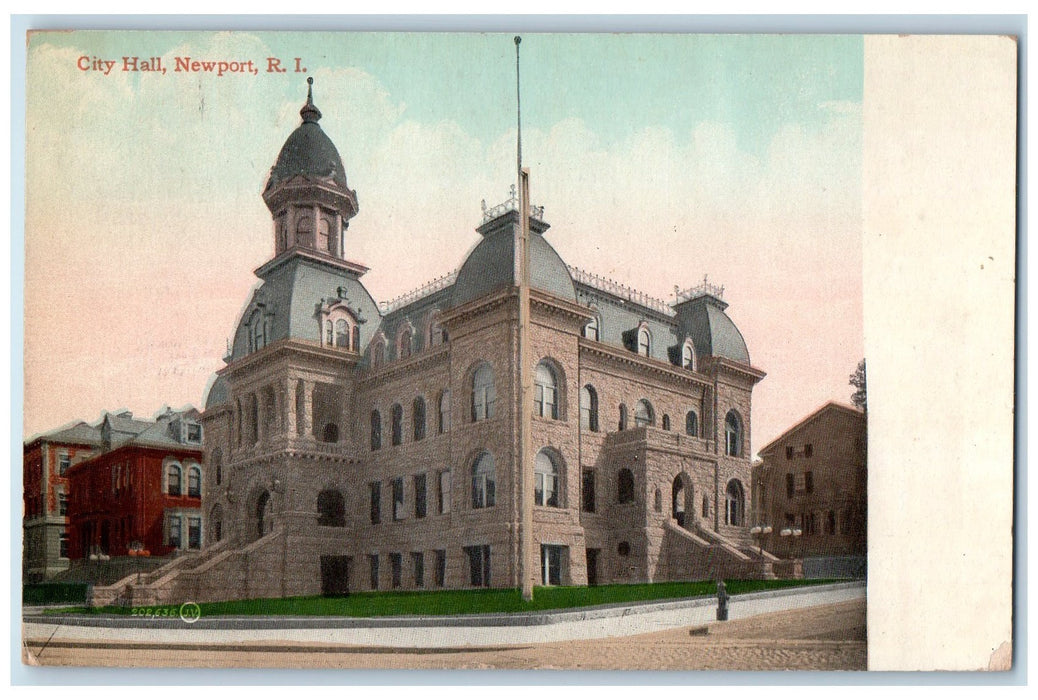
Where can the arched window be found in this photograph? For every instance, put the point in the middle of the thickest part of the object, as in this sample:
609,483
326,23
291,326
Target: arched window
643,413
329,334
589,408
398,424
238,423
545,392
378,353
733,434
625,486
734,503
194,482
330,433
404,342
253,419
644,342
692,424
706,506
444,419
678,499
217,461
622,425
305,231
435,335
331,508
484,477
591,329
173,477
666,422
418,418
376,430
546,480
324,239
657,501
342,333
688,355
258,331
483,393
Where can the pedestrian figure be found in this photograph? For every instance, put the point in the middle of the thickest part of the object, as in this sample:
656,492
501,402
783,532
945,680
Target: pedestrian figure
722,601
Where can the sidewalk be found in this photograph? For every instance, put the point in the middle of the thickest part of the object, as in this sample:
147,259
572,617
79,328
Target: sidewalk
429,633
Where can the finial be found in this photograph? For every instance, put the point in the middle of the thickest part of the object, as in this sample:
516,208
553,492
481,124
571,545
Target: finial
309,112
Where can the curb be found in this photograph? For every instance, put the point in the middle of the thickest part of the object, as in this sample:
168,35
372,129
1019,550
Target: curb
495,620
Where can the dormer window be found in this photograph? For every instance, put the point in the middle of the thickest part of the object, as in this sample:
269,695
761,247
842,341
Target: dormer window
340,328
258,328
644,341
342,333
193,433
404,341
688,356
591,329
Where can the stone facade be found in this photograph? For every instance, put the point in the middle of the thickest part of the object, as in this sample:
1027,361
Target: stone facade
352,446
813,478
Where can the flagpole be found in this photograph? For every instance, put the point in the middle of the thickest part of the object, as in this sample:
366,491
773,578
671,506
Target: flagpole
525,465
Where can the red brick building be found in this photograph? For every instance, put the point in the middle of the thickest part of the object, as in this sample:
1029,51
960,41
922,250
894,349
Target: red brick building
46,460
145,486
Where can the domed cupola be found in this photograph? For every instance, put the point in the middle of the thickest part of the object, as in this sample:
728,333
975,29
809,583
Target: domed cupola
307,192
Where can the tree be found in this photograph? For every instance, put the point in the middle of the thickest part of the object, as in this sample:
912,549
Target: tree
859,398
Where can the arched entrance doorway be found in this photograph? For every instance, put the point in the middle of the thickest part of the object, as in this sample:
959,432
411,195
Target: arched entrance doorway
682,506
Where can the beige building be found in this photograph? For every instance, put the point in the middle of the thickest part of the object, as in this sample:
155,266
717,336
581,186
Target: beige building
352,445
813,478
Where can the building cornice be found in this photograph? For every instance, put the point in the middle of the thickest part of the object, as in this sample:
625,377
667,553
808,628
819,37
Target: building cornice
372,377
311,256
648,365
285,347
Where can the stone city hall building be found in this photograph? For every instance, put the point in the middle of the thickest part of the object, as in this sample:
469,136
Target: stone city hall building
355,446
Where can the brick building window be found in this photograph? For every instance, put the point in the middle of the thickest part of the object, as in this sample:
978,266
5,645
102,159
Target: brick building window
546,480
62,503
479,565
706,506
194,533
790,485
194,482
373,564
809,449
398,424
173,476
830,523
734,504
217,462
419,496
809,482
545,392
174,532
551,564
789,452
398,498
63,544
484,477
64,462
441,568
625,486
622,425
396,566
331,508
376,430
666,422
587,491
483,393
376,502
589,408
733,434
692,424
643,413
418,418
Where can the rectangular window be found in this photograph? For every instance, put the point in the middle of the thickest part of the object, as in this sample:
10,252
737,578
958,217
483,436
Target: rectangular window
789,453
194,533
373,561
62,504
396,565
64,462
194,433
419,496
441,568
444,495
63,545
398,498
174,531
587,491
479,565
789,485
809,450
845,521
376,502
551,565
809,482
418,562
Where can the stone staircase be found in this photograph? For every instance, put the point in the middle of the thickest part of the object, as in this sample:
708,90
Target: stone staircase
704,554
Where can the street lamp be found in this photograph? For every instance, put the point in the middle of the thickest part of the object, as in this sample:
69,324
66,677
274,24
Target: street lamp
137,551
793,532
760,532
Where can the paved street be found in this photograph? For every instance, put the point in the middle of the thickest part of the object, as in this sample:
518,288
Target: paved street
823,637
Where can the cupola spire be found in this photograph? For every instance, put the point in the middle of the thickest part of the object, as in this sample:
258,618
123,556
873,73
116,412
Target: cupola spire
309,112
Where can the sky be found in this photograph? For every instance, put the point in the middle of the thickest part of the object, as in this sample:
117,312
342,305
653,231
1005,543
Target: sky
658,158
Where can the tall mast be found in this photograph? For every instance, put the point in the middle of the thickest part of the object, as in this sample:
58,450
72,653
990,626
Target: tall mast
527,560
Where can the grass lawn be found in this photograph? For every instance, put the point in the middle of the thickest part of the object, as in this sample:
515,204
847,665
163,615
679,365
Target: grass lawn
466,602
